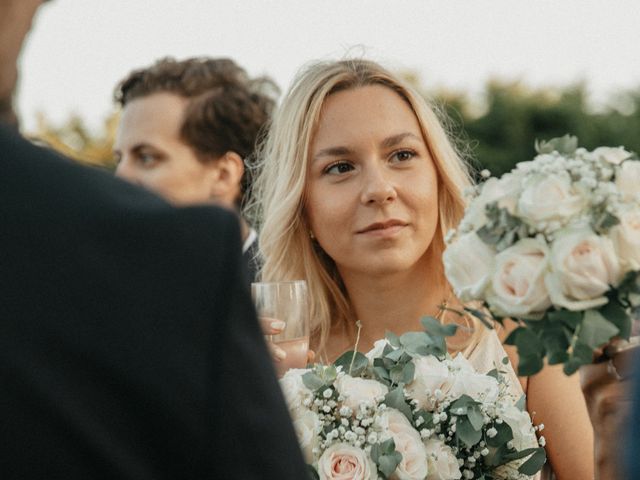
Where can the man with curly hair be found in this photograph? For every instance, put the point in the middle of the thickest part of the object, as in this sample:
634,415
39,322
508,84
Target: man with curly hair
188,129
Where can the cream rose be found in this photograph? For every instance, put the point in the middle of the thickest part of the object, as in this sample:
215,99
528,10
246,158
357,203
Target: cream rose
413,465
294,389
504,190
626,239
307,425
469,382
359,391
613,155
517,285
520,422
342,461
442,463
628,179
549,198
468,264
583,266
430,374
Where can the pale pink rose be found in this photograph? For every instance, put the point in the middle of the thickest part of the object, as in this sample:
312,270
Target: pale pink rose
468,264
628,179
359,391
524,436
307,426
467,381
626,238
430,374
517,287
342,461
583,266
548,198
443,464
613,155
408,442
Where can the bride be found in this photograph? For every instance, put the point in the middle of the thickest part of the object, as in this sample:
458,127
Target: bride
358,186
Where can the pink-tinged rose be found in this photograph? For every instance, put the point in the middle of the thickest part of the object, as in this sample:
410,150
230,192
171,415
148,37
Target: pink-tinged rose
307,426
612,155
583,267
548,198
294,389
413,465
628,179
517,286
430,374
626,238
342,461
468,264
359,391
443,464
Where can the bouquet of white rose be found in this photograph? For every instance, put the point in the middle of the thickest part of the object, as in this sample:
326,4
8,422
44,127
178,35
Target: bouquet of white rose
554,245
406,410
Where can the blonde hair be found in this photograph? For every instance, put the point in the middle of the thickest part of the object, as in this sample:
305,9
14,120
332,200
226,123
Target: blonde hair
279,194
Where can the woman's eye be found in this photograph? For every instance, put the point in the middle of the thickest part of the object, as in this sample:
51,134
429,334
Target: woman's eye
146,159
338,168
403,155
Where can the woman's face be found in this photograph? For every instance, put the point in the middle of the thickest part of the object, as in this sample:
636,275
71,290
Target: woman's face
372,188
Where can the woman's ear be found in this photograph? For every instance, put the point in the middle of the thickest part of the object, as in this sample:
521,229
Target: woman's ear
226,177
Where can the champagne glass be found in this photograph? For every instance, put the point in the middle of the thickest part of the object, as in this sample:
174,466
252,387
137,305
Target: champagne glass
288,302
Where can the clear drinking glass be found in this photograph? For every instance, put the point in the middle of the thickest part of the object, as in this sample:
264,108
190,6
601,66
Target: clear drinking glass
289,302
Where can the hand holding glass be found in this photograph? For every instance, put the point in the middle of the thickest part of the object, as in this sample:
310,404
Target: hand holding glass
287,302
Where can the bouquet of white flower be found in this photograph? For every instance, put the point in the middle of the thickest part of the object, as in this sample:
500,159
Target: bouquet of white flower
406,410
554,245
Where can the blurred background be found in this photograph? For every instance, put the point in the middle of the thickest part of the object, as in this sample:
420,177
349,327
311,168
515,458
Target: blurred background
505,72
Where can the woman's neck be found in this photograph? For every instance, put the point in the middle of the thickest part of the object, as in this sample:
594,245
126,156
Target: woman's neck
393,302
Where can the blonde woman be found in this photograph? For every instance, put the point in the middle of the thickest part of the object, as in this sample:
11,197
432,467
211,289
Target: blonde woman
357,188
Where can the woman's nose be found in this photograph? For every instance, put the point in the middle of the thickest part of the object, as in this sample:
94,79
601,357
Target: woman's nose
377,187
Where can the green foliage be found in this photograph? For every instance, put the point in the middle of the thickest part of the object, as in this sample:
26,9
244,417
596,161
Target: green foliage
497,130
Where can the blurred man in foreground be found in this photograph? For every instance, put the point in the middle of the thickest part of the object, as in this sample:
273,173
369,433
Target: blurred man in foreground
128,344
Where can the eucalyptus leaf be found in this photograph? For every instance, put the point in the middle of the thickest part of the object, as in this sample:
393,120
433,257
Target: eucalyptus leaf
312,381
566,144
535,463
466,432
388,463
395,399
503,436
395,355
615,313
568,318
434,328
581,354
352,363
474,414
596,330
408,372
313,474
392,338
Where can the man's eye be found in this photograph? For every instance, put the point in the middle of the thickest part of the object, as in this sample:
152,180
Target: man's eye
338,168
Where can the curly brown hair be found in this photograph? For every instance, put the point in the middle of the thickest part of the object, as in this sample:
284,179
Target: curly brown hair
227,110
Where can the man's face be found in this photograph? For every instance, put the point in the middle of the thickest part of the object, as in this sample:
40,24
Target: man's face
151,153
15,22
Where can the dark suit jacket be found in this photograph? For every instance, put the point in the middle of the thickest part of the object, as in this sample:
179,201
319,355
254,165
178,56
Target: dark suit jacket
129,346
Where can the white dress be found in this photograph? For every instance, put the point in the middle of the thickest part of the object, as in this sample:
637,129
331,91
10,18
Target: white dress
485,354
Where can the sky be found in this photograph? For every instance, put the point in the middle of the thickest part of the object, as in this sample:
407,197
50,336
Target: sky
79,49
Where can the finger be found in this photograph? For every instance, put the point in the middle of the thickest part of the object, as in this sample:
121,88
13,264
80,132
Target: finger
311,356
277,353
271,326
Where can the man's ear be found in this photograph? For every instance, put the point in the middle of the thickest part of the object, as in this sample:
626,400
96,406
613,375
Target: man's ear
226,175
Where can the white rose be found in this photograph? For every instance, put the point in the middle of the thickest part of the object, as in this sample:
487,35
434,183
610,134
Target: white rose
307,426
504,190
359,391
626,238
376,351
549,198
478,386
342,461
294,389
442,463
583,266
468,264
517,285
430,374
524,435
628,179
613,155
413,465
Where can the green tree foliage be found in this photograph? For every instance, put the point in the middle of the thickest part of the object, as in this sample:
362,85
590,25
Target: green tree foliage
499,130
